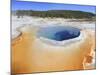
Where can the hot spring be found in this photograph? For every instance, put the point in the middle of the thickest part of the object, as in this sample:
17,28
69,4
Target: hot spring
59,33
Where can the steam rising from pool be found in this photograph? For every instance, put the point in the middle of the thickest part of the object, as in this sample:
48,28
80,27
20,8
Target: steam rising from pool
59,33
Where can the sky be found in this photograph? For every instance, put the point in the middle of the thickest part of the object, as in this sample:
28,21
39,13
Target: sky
41,6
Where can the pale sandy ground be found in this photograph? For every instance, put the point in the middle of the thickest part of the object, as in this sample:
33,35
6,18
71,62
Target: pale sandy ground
24,42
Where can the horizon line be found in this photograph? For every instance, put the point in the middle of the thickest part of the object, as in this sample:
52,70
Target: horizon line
52,9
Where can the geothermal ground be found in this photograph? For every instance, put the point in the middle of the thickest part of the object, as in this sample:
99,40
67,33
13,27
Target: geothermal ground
41,22
25,21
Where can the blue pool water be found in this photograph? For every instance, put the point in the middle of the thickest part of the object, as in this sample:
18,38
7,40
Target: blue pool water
59,33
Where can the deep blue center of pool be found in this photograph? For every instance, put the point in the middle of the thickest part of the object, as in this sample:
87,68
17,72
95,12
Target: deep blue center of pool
59,33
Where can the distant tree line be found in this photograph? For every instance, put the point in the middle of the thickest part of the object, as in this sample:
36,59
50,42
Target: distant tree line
56,13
